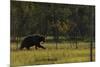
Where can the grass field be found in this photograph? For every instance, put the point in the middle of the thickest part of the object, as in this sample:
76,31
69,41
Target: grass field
64,54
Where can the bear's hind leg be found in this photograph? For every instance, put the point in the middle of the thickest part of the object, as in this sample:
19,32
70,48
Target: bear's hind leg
28,48
21,47
35,47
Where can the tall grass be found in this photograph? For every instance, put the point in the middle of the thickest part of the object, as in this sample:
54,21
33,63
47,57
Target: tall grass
64,54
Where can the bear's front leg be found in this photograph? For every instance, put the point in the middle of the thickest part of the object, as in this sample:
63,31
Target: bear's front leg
40,46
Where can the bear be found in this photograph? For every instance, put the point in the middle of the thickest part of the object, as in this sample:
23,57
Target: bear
32,40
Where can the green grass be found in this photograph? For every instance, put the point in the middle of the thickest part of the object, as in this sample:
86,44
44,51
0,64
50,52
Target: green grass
64,54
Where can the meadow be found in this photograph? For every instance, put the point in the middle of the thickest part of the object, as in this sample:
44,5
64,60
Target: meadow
68,30
65,53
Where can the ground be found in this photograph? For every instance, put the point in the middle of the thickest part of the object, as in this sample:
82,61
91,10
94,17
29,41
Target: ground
64,54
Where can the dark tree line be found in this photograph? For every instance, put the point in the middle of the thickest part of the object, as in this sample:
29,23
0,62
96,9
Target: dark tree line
71,21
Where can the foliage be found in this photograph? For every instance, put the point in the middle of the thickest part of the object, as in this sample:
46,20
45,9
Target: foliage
52,19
